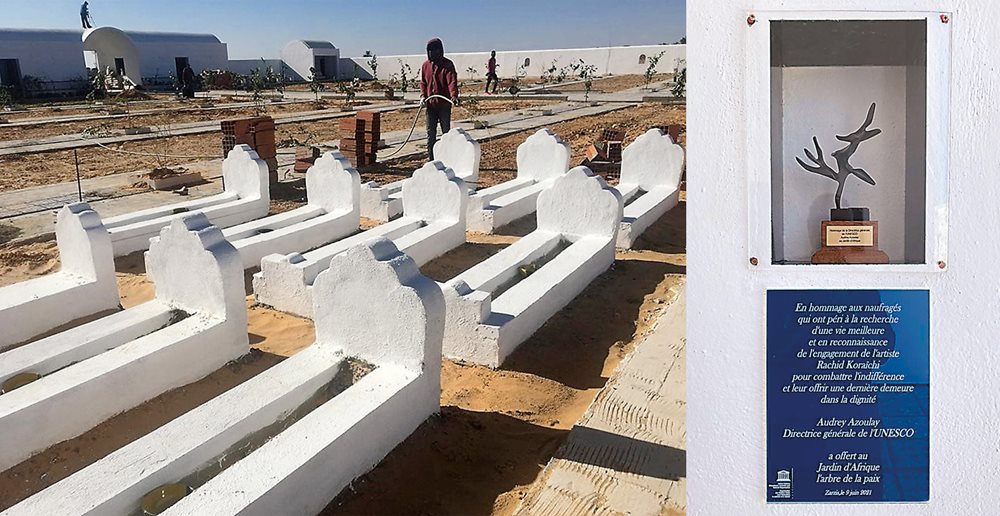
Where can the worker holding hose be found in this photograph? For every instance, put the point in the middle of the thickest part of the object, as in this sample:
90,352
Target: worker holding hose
438,78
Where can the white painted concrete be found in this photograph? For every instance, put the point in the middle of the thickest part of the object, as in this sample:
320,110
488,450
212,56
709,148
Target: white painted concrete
650,183
151,55
608,60
398,329
158,51
200,274
53,55
300,55
331,213
543,157
85,284
726,302
110,43
580,209
433,222
246,197
457,150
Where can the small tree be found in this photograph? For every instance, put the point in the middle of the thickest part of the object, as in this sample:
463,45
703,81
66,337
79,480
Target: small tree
404,77
473,73
564,73
373,64
679,88
255,85
651,69
315,85
98,86
585,72
549,73
7,98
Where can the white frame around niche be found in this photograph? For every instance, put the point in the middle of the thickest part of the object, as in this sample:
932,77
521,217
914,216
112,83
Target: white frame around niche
758,145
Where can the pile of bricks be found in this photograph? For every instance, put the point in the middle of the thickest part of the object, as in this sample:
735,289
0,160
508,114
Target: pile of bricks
674,130
360,137
604,156
258,133
305,157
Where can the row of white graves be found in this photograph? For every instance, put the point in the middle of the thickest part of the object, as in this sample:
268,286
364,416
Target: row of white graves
292,437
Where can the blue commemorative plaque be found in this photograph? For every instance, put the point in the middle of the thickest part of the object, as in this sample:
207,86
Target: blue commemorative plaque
848,395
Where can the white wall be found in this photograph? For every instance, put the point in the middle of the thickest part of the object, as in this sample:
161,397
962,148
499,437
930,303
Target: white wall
608,60
298,56
158,50
47,54
725,324
828,101
245,66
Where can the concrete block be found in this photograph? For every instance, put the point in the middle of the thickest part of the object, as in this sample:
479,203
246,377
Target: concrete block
332,212
112,365
578,221
85,284
652,167
246,197
434,204
457,150
398,329
540,159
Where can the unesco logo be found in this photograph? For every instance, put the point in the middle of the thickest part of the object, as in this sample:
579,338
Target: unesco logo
781,489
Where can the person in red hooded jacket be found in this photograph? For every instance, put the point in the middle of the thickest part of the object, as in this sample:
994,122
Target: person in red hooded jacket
437,77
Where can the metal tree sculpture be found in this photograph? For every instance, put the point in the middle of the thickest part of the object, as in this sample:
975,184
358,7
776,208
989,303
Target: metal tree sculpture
843,156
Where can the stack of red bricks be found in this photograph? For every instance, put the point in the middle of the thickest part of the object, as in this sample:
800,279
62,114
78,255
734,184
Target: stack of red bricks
674,130
359,138
604,156
258,133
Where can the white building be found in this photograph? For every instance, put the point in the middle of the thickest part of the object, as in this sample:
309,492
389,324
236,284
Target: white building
301,55
55,61
50,56
153,56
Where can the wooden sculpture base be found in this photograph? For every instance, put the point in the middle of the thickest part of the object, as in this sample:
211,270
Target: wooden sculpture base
850,242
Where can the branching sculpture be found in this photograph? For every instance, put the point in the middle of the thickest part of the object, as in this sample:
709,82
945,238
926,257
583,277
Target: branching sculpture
843,156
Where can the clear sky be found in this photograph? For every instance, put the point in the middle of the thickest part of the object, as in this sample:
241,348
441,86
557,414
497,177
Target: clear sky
255,28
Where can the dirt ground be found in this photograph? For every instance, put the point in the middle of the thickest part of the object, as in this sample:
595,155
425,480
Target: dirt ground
185,113
497,428
512,419
499,156
22,171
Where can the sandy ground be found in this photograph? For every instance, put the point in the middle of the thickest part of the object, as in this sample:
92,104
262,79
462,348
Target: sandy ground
23,171
499,156
497,428
186,113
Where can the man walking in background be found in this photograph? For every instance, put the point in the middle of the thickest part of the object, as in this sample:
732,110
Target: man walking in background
491,72
437,77
85,16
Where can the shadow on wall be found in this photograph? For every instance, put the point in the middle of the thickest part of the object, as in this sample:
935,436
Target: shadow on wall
455,463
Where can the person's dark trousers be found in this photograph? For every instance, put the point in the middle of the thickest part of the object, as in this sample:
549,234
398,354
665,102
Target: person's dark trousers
494,79
435,115
85,21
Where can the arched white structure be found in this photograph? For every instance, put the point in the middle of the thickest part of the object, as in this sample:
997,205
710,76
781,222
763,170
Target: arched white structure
111,44
300,55
155,55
